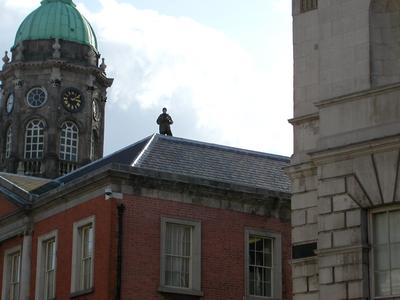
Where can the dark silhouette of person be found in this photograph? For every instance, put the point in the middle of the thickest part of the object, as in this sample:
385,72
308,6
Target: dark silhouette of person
165,122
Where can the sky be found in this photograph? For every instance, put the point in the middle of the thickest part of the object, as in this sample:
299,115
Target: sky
223,68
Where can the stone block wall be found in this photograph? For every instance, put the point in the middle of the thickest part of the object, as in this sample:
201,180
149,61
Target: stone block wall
346,141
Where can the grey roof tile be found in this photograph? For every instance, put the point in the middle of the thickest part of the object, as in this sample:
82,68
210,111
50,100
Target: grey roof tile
216,162
194,159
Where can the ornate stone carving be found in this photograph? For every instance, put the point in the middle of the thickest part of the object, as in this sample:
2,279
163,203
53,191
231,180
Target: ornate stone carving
6,59
90,82
56,49
55,77
103,66
18,83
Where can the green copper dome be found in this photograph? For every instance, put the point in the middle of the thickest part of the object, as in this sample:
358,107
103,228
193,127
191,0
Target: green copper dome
56,19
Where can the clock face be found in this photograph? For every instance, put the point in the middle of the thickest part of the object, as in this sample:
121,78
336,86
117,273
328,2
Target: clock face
72,100
96,110
10,103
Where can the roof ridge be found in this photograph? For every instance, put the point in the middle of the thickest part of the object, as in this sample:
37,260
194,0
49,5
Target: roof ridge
225,147
103,158
142,153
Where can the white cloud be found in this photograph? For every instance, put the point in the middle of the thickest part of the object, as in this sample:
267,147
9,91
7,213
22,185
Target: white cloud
212,87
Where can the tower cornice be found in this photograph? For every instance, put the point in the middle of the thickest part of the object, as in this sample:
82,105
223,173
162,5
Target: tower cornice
63,65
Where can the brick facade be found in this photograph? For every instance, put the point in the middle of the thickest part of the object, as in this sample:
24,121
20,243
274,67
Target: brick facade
223,245
105,254
222,238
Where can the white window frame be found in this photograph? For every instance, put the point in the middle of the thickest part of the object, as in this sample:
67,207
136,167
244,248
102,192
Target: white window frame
36,129
76,268
69,150
276,276
8,142
371,252
195,258
41,284
6,269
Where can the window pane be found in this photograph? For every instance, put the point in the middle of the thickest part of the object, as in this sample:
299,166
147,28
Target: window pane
50,286
49,269
177,255
268,289
395,256
382,283
34,139
395,282
87,265
380,231
386,239
259,244
252,258
69,141
14,273
394,221
381,258
259,259
260,266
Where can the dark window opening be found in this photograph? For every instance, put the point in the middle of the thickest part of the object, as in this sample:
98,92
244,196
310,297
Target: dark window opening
307,5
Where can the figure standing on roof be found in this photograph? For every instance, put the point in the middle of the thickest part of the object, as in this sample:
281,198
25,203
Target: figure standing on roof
165,122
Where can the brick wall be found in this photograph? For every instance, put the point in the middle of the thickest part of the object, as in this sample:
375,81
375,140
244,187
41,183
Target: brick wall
223,246
6,207
105,213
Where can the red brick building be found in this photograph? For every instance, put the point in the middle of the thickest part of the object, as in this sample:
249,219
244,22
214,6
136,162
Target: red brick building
165,218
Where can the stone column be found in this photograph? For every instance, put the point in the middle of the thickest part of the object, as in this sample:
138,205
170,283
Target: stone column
25,267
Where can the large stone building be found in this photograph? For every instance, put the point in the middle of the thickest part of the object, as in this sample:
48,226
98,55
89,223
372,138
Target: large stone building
53,94
345,167
164,218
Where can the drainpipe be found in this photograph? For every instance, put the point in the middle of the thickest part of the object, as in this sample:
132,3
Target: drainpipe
121,209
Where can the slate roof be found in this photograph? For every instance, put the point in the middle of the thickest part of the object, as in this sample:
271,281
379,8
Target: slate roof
195,159
216,162
27,183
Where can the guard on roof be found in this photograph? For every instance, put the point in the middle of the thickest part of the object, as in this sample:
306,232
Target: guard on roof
165,122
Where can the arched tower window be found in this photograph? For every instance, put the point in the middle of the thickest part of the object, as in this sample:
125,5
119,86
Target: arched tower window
69,141
8,142
34,139
385,41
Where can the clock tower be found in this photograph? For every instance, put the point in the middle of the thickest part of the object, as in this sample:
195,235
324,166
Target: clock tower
53,94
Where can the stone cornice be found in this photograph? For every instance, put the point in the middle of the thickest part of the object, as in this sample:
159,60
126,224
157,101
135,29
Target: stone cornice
304,119
57,64
358,95
300,170
147,183
117,172
356,149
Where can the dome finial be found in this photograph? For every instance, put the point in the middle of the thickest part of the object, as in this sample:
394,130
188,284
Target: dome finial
6,59
103,66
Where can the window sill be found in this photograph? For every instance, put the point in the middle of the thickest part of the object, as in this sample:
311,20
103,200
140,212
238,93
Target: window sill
182,291
81,293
